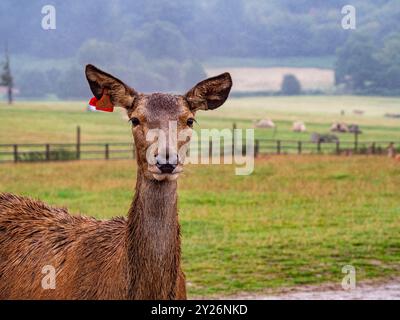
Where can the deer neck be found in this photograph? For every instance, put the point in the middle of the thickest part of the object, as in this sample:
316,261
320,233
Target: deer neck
153,239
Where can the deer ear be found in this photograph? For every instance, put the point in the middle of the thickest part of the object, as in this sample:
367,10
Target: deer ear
211,93
121,95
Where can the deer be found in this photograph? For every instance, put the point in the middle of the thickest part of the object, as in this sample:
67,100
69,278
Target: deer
129,258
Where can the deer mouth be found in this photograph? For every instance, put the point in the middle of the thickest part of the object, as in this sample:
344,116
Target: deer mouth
166,176
166,172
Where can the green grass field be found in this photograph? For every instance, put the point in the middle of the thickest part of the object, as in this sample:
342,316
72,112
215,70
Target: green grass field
42,122
294,221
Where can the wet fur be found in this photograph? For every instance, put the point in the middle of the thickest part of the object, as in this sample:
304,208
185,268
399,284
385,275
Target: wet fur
87,254
134,258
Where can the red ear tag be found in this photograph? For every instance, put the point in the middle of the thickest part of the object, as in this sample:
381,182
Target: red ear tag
104,104
93,102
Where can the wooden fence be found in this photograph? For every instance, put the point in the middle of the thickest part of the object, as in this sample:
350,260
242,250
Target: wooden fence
109,151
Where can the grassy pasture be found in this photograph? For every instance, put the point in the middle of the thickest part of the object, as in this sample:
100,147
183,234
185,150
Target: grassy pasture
294,221
52,122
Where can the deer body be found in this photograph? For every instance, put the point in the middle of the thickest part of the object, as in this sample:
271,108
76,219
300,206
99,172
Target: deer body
138,257
134,258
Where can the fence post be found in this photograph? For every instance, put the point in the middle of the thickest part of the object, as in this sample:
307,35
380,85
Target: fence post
373,148
107,152
78,142
47,152
257,148
15,153
319,146
337,147
299,147
278,146
210,151
355,141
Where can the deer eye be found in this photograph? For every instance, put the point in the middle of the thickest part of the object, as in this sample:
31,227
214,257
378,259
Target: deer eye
135,121
190,122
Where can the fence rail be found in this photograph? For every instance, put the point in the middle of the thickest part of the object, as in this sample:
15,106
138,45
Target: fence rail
35,152
65,151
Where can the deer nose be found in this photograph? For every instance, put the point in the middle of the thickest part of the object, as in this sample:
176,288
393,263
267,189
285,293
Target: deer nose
166,168
167,163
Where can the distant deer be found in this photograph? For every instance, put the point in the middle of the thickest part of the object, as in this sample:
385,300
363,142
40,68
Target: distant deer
134,258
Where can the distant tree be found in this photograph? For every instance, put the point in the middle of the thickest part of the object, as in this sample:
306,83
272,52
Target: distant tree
389,57
290,85
364,66
160,39
357,66
97,52
7,78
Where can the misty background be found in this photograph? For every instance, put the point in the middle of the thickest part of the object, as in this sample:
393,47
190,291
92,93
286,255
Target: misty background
169,45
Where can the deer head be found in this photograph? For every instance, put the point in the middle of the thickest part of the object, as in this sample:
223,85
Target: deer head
161,123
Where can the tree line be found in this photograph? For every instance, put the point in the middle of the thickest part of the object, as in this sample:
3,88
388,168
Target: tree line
162,44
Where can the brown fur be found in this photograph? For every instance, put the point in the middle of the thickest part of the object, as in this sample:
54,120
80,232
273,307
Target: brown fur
83,251
134,258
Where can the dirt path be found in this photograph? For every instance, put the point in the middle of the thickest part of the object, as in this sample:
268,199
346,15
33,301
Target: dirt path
382,291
